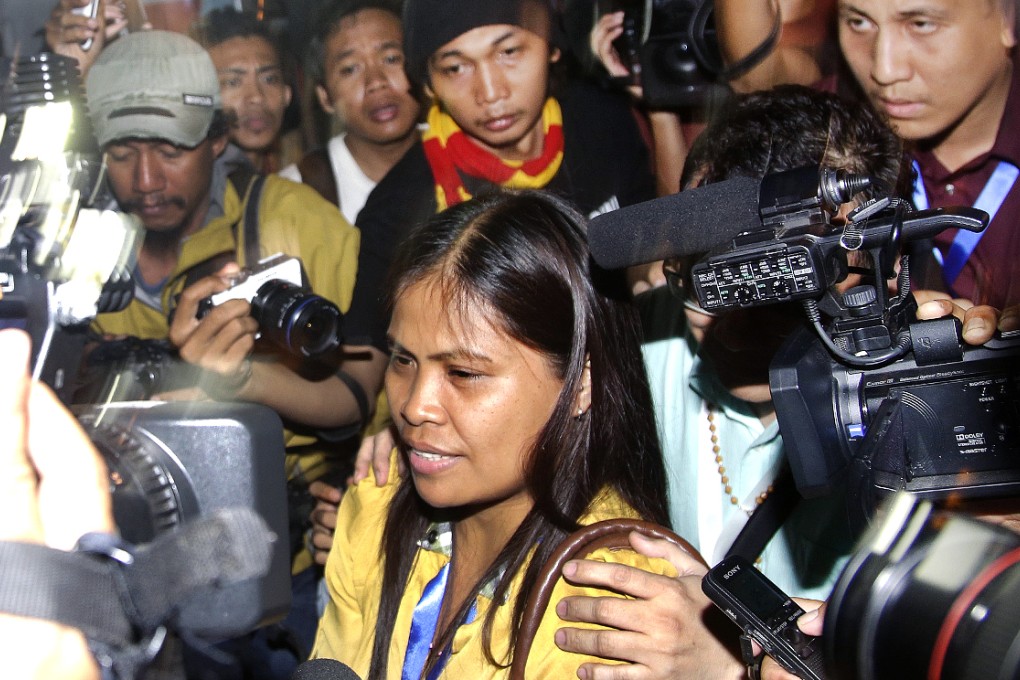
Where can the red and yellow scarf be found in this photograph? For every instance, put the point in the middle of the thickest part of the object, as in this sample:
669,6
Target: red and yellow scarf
449,150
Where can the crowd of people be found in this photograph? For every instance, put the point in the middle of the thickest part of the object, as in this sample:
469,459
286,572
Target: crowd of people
495,390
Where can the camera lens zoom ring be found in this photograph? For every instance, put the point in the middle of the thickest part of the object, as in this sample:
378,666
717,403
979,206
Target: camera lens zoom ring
131,462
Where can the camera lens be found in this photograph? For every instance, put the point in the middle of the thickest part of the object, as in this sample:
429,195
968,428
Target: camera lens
296,319
928,595
150,490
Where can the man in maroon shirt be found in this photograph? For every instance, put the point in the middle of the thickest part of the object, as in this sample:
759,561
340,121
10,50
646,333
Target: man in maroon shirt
941,71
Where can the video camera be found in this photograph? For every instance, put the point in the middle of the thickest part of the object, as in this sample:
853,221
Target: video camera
669,47
866,396
61,263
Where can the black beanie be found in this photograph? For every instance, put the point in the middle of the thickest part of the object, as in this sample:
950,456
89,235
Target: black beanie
430,24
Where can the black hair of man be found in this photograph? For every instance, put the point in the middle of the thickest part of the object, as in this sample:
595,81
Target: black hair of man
328,22
220,125
751,138
226,23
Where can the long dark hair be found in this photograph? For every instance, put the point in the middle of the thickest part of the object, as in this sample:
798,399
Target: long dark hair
525,256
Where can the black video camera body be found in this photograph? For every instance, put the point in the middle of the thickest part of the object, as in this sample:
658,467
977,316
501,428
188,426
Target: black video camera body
941,421
869,397
171,463
671,51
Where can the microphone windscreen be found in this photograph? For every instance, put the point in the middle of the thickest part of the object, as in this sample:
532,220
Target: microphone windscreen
324,669
688,223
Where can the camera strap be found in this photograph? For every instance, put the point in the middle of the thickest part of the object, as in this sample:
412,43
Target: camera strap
248,184
991,198
767,517
758,54
123,598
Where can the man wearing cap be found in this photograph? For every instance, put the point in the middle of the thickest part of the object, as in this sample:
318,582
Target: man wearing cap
154,103
486,66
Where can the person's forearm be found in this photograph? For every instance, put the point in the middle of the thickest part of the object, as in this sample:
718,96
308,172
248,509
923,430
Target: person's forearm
742,26
670,151
324,403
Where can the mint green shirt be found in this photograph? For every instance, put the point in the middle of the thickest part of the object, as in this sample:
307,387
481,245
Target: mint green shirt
806,555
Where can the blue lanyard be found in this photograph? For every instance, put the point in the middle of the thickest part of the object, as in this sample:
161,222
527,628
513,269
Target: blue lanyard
424,622
990,200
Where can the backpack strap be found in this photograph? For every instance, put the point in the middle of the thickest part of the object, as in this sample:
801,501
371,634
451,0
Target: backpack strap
248,184
317,172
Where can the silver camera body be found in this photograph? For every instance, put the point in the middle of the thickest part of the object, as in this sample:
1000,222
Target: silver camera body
245,286
289,314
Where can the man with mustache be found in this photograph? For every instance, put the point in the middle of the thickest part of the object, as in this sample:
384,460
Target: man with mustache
154,103
942,72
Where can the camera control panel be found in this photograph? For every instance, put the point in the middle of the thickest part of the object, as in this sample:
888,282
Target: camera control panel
775,275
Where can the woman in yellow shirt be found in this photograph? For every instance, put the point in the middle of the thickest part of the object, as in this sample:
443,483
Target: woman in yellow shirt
522,412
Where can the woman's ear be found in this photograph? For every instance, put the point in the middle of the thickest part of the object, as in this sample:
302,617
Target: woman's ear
582,402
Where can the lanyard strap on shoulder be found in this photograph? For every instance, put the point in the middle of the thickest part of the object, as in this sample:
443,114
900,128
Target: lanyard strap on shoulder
424,622
248,184
992,196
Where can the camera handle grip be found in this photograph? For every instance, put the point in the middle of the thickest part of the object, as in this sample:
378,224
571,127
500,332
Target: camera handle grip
132,591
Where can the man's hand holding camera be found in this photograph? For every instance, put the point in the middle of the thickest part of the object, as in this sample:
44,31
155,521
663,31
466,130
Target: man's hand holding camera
223,339
980,322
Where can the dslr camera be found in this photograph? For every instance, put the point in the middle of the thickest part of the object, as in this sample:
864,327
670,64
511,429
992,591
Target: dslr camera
288,313
866,395
926,594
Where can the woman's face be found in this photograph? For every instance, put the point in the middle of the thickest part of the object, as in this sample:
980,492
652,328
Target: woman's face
468,401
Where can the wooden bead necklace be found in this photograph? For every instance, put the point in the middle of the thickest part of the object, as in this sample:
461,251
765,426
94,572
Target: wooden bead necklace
723,477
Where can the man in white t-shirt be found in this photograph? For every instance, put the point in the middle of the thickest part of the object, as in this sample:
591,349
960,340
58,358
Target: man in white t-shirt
358,61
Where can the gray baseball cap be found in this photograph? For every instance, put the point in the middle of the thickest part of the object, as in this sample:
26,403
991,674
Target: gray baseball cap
153,85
